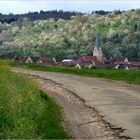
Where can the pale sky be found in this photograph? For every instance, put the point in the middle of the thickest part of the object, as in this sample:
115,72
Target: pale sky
24,6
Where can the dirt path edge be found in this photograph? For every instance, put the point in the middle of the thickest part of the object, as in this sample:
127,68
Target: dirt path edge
83,121
102,128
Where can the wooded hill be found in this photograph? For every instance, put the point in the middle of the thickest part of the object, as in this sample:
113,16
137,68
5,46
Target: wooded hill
69,38
42,15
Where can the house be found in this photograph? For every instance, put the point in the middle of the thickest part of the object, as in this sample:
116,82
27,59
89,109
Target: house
86,61
97,50
119,60
67,62
134,65
122,61
47,60
26,59
122,67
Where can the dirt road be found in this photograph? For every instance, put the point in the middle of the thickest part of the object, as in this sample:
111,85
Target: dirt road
117,102
83,122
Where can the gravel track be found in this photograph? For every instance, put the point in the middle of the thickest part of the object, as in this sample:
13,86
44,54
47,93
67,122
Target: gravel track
93,108
83,122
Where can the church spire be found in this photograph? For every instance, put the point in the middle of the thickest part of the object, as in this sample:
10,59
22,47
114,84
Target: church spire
97,51
98,41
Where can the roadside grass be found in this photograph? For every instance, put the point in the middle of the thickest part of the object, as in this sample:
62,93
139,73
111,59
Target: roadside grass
132,76
26,112
122,75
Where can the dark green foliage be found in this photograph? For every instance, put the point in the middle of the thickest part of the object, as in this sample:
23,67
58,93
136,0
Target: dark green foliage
42,15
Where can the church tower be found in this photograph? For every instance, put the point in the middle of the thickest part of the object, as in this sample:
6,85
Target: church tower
97,50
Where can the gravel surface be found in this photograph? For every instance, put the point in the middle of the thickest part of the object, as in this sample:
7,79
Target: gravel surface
83,122
93,107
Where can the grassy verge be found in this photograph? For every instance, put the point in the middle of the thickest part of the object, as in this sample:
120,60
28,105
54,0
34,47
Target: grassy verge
127,76
25,111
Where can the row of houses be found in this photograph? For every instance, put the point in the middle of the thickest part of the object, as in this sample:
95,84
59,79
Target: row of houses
38,60
84,62
113,63
124,63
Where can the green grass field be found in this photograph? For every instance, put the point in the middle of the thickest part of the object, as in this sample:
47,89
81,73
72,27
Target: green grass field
127,76
25,111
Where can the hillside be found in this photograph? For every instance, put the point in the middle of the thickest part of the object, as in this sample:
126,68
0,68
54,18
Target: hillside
119,32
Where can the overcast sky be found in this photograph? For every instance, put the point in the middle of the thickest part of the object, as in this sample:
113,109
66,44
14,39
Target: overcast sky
24,6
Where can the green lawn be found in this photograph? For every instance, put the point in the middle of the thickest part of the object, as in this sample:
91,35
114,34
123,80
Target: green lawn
25,111
127,76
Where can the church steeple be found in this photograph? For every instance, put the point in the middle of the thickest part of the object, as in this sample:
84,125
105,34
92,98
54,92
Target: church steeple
97,51
98,41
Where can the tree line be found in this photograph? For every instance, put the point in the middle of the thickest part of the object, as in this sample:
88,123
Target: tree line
43,15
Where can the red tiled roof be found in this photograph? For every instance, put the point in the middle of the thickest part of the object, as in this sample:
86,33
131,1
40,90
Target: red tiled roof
135,63
121,62
47,60
83,59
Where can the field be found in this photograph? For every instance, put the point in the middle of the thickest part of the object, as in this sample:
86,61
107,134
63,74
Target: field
25,111
122,75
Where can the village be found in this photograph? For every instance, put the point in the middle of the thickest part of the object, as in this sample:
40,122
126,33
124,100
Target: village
70,69
94,61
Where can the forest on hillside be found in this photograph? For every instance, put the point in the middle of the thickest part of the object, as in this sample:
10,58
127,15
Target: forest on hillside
69,38
42,15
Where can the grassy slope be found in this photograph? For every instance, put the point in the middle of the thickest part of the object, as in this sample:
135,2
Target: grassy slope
25,111
127,76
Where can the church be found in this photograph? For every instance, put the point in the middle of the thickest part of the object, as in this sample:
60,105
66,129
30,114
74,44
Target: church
90,61
97,50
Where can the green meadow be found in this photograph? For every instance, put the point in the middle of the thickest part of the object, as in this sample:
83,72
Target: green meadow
25,111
